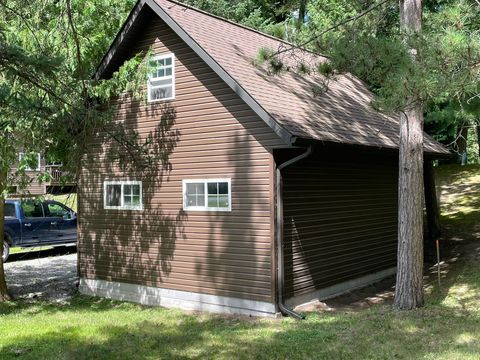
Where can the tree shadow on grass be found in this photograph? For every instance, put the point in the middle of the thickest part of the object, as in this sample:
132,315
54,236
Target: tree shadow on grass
167,334
458,277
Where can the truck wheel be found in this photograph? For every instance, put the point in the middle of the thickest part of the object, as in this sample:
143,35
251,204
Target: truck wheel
6,251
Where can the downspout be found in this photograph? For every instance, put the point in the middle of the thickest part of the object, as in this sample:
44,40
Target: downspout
280,257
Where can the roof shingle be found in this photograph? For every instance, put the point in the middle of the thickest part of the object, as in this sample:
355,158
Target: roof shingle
342,114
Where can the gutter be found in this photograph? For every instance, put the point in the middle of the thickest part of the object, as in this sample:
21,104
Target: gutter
280,258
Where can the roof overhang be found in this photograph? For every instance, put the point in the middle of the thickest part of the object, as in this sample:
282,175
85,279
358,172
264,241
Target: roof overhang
142,13
428,155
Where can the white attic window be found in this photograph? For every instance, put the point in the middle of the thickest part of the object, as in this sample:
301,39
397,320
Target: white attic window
161,78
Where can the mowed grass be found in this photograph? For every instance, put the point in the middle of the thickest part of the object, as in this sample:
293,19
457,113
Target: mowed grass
459,188
19,250
88,328
448,327
69,200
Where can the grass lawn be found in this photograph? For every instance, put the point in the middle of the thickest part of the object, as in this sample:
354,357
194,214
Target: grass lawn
460,196
19,250
69,200
448,327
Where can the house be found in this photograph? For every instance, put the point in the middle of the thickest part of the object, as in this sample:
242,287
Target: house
31,185
265,195
28,184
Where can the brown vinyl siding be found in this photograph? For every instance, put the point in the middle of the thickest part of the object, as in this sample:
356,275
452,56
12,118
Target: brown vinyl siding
34,187
210,133
340,218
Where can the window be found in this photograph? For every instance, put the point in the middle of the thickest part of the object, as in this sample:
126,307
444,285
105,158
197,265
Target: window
161,78
207,194
10,210
32,161
32,209
57,210
122,195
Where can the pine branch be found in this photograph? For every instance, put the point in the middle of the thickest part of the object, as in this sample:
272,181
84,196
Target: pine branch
333,27
77,46
25,21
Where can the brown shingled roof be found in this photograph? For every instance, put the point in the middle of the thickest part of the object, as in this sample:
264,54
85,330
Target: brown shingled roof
286,101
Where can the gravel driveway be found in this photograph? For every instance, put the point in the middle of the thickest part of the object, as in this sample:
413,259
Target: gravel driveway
47,277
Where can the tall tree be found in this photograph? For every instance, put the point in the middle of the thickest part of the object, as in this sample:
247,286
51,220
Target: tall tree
48,52
409,285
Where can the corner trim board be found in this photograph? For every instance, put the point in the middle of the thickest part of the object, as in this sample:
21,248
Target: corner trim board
169,298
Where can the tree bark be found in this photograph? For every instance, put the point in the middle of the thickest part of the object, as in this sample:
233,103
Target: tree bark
302,11
462,143
409,286
3,284
411,16
477,125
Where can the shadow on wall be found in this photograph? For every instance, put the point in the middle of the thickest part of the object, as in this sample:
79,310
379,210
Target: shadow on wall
340,218
135,246
239,242
238,246
237,258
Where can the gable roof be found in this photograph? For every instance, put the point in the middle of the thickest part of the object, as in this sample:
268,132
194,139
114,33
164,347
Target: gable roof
286,102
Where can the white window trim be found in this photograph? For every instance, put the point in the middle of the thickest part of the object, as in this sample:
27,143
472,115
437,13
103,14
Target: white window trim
160,57
206,207
122,205
39,159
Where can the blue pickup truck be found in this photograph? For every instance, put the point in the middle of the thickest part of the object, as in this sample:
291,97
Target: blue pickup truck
31,223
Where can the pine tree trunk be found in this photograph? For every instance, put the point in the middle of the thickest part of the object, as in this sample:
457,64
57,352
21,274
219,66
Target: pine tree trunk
409,286
3,285
462,143
302,11
477,124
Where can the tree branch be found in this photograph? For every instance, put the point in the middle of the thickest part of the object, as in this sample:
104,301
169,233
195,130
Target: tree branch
77,46
334,27
27,24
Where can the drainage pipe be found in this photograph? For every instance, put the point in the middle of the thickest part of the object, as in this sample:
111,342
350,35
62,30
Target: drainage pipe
280,256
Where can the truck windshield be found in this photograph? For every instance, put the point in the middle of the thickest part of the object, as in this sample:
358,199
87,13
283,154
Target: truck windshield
10,210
